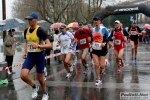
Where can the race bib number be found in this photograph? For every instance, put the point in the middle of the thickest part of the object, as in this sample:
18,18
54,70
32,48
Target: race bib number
117,42
133,33
65,46
31,49
83,41
96,46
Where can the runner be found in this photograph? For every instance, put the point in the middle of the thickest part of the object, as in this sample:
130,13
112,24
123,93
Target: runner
65,39
36,42
118,35
134,31
74,57
90,49
82,37
99,48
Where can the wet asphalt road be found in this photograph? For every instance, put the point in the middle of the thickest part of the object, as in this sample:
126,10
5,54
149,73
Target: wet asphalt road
134,78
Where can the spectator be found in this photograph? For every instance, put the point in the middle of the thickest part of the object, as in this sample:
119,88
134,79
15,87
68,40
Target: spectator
48,51
9,48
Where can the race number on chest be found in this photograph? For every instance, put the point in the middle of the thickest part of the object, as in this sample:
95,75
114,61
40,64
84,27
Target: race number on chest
83,41
117,42
31,49
133,33
96,46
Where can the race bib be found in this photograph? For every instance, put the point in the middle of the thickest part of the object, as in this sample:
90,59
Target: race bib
83,41
133,33
96,46
117,42
65,46
31,49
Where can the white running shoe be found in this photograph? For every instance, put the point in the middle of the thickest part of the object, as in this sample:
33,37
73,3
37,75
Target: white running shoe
45,97
98,82
68,75
71,69
45,71
107,63
92,62
34,92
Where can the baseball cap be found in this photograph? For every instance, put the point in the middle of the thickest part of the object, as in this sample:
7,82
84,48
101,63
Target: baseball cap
97,18
80,23
62,26
117,21
32,15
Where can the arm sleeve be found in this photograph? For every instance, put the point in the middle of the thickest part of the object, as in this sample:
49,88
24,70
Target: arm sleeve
42,34
139,29
129,29
110,37
125,32
25,32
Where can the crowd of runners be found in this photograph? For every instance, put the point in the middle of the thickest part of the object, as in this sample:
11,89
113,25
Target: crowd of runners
93,40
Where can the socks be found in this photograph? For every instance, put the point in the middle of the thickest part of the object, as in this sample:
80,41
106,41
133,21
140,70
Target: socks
45,93
34,86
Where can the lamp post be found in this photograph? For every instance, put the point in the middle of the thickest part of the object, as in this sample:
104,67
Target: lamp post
4,15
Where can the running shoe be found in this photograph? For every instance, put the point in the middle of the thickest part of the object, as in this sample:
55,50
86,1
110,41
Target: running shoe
45,97
34,92
71,69
92,62
45,71
107,63
85,71
119,69
122,64
133,60
68,75
98,82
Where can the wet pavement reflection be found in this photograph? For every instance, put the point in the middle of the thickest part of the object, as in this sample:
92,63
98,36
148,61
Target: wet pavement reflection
133,78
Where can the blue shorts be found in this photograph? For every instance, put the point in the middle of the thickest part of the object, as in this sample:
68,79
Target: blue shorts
35,58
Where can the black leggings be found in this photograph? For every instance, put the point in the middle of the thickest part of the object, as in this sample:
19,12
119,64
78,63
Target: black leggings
9,60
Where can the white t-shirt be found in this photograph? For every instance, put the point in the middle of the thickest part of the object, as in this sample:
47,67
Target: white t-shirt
65,42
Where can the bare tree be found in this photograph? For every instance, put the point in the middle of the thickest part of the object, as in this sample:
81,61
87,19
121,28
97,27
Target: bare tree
58,10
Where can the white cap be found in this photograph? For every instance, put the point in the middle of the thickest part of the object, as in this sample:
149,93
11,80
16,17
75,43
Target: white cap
117,21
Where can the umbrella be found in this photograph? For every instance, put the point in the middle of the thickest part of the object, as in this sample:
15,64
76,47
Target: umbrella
44,24
146,26
11,23
73,25
56,25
